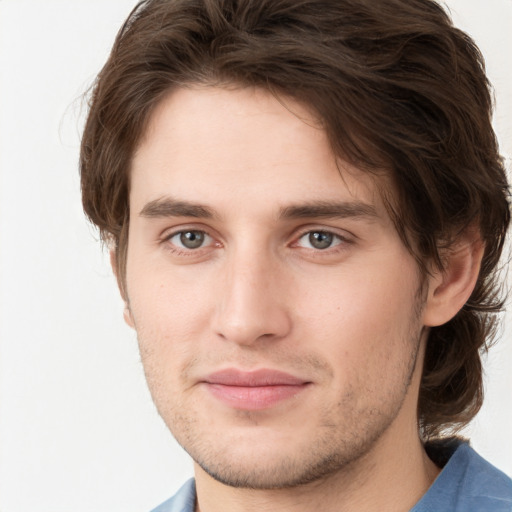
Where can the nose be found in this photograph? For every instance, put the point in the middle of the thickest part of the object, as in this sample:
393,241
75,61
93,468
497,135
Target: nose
251,307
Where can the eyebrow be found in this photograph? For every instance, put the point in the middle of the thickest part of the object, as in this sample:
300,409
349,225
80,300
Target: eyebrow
170,207
327,209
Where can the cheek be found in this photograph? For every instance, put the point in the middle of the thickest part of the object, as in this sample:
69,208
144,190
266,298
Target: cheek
169,311
168,334
362,301
362,320
165,293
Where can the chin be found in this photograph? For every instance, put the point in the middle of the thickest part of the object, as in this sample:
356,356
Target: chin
281,464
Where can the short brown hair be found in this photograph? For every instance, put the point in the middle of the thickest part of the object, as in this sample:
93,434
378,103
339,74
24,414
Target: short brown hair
395,85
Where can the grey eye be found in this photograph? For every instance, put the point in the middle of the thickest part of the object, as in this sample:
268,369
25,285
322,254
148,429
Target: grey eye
320,239
190,239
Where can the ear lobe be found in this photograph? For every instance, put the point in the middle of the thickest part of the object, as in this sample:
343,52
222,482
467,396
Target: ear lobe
127,314
450,287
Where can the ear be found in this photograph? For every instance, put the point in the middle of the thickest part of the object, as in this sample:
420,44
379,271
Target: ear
450,287
127,314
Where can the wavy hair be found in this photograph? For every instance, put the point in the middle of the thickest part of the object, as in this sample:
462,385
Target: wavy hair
397,88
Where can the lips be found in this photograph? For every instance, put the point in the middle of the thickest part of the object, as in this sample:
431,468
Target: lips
260,389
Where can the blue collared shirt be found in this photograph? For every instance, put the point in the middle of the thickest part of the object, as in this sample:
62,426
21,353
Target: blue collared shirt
467,483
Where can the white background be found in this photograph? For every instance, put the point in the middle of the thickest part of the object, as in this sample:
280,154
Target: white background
78,431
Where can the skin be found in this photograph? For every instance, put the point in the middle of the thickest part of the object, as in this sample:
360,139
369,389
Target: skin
241,171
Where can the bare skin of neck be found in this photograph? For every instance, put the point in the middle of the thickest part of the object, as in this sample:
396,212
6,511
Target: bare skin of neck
392,476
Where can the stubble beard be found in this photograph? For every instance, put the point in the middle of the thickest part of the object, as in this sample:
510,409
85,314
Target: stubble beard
338,449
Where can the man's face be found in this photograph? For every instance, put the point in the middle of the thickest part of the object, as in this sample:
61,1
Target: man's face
278,313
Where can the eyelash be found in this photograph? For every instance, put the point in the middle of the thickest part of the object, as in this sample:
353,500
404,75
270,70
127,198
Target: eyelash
340,242
185,251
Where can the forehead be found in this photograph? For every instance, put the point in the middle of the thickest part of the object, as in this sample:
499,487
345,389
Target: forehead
239,146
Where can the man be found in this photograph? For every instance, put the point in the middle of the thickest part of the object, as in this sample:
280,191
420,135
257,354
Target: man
306,207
